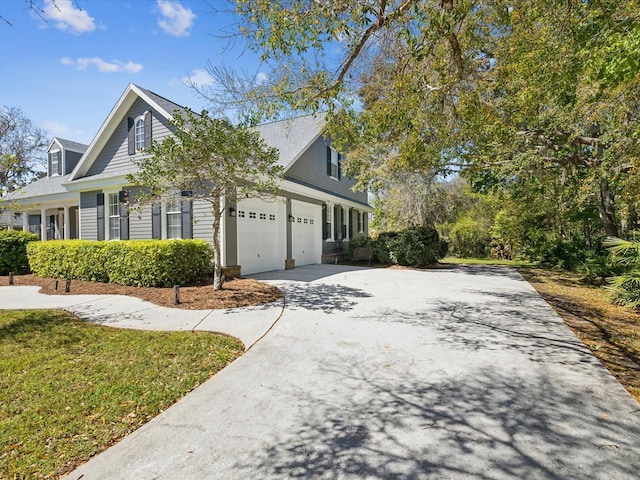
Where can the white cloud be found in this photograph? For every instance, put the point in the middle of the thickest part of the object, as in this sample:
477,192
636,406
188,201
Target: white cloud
199,77
68,17
176,20
102,65
55,128
261,77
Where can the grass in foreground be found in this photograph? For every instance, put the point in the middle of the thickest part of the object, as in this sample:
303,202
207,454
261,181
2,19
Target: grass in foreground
69,389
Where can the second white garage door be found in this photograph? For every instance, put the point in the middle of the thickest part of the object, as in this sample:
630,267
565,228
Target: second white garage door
306,233
261,235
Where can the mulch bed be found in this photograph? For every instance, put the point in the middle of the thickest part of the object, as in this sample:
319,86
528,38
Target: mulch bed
240,292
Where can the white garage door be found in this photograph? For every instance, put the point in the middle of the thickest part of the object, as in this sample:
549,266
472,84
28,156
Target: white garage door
261,235
306,233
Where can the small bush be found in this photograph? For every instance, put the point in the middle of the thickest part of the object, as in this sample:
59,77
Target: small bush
383,248
150,263
13,251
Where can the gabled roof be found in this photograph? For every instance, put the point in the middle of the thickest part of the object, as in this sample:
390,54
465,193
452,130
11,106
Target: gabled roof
69,145
160,104
292,137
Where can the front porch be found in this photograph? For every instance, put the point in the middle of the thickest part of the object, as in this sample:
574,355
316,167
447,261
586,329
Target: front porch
51,223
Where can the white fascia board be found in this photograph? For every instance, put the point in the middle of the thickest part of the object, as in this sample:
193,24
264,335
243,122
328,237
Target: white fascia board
107,129
84,185
57,200
289,186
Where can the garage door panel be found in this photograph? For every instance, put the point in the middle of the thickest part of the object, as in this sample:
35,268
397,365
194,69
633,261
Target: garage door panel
306,233
260,236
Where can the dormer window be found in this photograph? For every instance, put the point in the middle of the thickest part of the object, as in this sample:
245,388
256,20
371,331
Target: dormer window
140,134
55,163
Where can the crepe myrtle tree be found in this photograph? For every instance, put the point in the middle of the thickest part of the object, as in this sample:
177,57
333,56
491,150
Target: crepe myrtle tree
211,160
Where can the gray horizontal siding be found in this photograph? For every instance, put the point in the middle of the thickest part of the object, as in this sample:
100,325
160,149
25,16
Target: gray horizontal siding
114,156
202,221
70,161
139,218
311,169
88,215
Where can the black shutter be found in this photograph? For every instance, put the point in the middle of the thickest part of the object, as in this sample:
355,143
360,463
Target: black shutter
49,164
350,225
339,166
187,216
325,232
156,221
336,222
131,135
100,215
328,160
147,130
123,204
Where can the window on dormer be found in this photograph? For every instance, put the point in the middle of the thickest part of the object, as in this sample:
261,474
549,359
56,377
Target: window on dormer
140,134
55,163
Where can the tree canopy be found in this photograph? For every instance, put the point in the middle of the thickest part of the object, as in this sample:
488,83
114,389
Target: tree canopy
208,159
518,95
22,147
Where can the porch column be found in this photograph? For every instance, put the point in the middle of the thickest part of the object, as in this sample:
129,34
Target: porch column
43,224
25,222
67,224
10,225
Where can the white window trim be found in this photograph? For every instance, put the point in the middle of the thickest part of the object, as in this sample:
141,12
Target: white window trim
165,217
59,160
107,216
139,118
360,222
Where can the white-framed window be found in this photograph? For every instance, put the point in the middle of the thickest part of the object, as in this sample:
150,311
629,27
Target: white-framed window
139,133
361,222
114,217
174,218
56,158
335,163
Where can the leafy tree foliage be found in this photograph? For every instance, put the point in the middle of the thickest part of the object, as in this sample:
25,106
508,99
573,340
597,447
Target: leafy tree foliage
22,146
537,99
213,161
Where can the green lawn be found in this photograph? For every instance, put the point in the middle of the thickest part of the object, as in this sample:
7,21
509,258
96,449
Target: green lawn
69,389
484,261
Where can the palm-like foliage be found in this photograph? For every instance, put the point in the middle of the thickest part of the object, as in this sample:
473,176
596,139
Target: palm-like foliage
625,288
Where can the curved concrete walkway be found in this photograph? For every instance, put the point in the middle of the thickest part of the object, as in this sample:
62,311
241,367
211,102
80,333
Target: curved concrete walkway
396,374
246,324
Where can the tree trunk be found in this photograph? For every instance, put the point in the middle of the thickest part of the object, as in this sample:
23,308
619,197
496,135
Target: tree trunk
607,209
218,280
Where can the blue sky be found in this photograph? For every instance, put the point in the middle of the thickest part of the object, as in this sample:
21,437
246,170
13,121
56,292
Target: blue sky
68,69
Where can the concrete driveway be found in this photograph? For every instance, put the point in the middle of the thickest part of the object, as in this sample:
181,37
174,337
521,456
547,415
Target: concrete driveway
397,374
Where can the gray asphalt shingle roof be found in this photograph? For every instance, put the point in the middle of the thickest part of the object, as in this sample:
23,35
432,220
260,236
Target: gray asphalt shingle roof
41,187
291,137
71,145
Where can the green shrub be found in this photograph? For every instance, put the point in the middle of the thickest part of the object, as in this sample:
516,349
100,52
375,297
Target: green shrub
625,287
416,247
359,242
13,251
383,247
151,263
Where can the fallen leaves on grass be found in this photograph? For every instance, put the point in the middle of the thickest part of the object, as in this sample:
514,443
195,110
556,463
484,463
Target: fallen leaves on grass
611,332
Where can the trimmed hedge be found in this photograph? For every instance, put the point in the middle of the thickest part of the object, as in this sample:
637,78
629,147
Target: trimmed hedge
149,263
13,251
